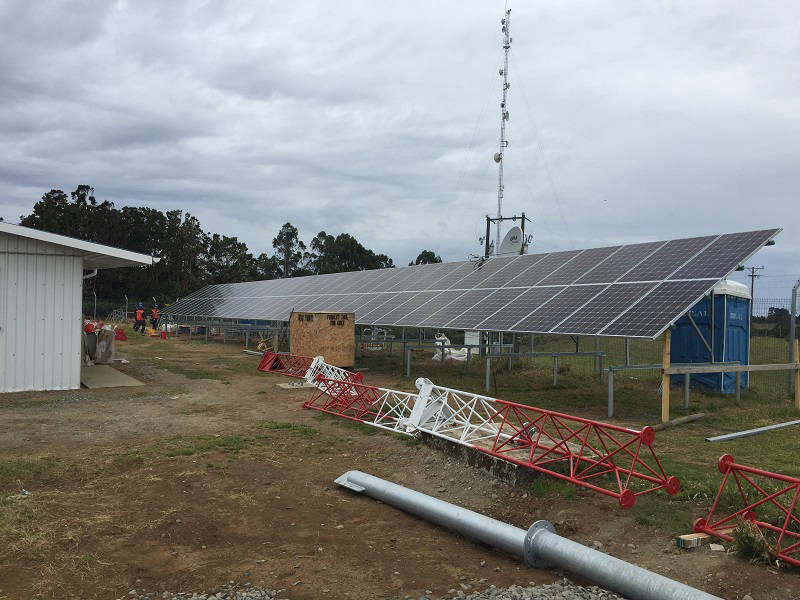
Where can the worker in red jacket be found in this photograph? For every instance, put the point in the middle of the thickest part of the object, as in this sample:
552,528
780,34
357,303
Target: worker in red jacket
154,315
139,318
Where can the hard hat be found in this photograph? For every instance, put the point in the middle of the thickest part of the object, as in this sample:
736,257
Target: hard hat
139,305
156,305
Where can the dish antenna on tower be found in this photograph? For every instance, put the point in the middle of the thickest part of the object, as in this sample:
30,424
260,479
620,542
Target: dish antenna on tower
512,243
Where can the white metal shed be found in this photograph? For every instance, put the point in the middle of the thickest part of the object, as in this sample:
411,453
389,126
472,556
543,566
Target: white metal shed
41,279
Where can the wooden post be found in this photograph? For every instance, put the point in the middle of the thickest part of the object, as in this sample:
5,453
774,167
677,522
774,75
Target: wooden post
796,377
665,378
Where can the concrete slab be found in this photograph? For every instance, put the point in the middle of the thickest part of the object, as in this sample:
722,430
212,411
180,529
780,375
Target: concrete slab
104,376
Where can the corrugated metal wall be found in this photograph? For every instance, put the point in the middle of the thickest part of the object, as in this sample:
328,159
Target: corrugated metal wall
40,315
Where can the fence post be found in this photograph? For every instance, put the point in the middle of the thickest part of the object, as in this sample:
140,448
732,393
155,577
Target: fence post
207,328
555,369
664,377
796,377
488,371
686,378
610,392
408,362
596,349
792,335
602,364
469,358
246,339
627,352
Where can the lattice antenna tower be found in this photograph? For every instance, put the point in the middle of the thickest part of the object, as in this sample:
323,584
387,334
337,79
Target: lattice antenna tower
505,23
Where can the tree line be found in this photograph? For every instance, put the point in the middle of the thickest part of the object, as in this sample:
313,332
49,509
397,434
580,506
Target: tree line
190,257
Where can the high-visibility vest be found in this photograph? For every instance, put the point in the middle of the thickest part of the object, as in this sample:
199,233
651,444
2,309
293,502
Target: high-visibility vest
140,314
154,312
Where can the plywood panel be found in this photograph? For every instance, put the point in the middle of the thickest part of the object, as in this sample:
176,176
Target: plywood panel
330,335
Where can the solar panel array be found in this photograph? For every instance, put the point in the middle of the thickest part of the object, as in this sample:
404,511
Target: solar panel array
634,290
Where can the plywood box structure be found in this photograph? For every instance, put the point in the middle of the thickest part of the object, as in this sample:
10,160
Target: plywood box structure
330,335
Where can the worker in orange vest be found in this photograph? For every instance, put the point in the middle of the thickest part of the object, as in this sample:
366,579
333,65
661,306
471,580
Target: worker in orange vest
154,315
139,318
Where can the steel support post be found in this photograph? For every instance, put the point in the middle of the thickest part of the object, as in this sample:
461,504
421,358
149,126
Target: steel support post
796,375
610,393
539,546
530,341
408,362
469,357
596,349
627,352
555,370
246,339
488,373
207,328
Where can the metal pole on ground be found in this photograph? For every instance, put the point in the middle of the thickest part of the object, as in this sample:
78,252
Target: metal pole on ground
540,546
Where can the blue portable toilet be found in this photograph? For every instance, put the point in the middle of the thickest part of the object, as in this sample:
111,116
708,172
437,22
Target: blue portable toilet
731,318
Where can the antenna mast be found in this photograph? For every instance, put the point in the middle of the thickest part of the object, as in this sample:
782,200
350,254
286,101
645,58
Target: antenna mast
506,28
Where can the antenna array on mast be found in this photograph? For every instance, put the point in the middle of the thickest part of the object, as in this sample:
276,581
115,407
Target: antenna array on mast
498,157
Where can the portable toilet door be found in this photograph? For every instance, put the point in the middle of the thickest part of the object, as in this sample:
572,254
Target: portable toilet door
731,337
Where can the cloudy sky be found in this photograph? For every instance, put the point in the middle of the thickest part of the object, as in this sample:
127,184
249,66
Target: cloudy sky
630,121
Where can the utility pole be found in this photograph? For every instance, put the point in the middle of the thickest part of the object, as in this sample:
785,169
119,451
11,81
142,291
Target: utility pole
498,157
753,275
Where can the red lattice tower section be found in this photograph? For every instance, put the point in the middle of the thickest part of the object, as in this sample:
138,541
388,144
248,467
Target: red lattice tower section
381,407
284,363
768,501
609,459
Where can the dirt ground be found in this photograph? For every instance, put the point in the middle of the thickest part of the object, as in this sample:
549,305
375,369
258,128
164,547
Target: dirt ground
211,473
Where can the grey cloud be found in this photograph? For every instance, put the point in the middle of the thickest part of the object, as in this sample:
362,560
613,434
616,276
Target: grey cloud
628,121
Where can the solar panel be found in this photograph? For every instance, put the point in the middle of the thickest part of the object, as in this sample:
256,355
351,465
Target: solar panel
417,300
558,308
575,268
391,301
600,310
500,278
666,259
724,254
538,271
633,290
450,311
512,313
426,308
496,300
619,263
653,313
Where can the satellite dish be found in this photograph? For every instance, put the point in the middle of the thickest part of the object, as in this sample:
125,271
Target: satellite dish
512,243
498,157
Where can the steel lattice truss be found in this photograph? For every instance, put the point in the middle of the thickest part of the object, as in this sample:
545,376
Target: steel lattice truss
769,502
380,407
319,367
609,459
612,460
284,363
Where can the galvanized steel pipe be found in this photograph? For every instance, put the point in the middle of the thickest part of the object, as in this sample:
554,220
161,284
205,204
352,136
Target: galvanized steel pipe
539,546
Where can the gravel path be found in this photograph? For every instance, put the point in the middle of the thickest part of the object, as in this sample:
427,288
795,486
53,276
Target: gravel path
561,590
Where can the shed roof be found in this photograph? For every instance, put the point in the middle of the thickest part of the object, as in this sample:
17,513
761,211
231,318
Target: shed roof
95,256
